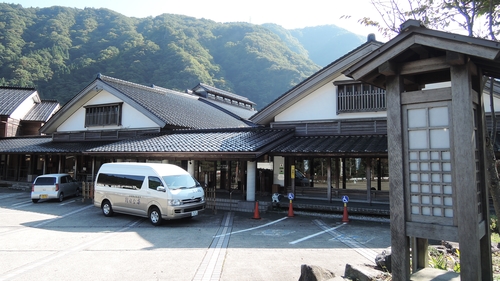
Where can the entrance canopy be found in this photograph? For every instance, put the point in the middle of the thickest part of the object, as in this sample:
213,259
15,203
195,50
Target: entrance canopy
339,146
430,50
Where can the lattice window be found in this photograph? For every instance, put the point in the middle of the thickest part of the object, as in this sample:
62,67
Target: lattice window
430,158
102,115
353,96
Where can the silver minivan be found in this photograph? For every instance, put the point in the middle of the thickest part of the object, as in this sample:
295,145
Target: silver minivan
54,186
153,190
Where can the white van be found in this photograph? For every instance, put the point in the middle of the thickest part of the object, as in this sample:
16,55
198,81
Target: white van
153,190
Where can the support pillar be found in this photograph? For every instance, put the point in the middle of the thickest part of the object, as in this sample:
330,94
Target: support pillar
368,169
190,167
251,176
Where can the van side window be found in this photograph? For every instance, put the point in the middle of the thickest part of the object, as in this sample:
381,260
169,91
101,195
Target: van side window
154,182
120,181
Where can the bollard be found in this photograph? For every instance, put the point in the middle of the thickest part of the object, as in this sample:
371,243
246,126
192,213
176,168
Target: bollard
345,218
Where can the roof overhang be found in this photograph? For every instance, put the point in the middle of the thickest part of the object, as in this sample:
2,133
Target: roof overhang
334,146
427,52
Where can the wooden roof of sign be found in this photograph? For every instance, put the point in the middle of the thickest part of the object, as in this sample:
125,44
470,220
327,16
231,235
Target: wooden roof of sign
427,52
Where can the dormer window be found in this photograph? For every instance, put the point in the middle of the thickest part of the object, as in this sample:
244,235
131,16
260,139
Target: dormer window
354,96
103,114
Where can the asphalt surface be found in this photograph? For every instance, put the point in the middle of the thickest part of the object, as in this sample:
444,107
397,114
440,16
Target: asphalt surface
72,240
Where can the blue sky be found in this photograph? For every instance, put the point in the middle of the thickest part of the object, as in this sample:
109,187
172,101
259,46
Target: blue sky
289,14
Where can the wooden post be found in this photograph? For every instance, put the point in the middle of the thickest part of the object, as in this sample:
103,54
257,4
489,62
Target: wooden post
329,178
368,172
400,247
466,181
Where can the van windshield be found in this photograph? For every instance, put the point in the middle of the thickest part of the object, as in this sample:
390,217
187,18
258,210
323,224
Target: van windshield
180,182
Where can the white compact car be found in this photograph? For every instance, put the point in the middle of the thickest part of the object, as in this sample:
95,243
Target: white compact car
54,186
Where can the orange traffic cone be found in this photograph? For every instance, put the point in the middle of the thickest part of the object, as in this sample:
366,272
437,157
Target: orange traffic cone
345,218
256,214
290,209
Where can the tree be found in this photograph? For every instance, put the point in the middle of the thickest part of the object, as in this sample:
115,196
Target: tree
467,15
441,15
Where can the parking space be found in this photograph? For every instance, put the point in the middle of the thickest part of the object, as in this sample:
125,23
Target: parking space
73,240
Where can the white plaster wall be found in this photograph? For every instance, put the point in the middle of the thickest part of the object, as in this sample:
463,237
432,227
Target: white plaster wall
321,105
486,96
23,109
131,118
496,103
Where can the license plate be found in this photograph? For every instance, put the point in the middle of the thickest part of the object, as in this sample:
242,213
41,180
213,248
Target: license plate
44,196
194,213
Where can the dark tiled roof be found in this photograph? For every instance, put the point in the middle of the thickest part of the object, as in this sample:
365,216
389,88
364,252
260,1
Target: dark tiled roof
44,145
42,111
11,98
175,108
237,140
375,144
214,90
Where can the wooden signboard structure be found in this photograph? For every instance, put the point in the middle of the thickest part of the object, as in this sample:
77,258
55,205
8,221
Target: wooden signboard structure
436,144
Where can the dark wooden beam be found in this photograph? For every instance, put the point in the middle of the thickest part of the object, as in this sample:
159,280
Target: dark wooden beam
425,65
388,68
420,50
454,58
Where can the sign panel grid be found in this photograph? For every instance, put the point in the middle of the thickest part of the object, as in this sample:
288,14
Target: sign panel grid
429,155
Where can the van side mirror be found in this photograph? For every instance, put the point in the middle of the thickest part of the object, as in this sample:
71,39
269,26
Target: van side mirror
161,188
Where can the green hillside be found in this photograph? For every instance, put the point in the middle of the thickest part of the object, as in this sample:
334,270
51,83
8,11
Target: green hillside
60,50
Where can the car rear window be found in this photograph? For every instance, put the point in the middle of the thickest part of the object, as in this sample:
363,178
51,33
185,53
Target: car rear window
45,181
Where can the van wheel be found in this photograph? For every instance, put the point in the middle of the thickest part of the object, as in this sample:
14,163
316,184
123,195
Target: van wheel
77,194
106,208
61,197
155,216
34,200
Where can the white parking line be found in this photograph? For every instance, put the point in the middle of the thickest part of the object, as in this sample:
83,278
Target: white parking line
314,235
15,273
253,228
46,222
63,216
67,202
9,195
22,203
358,247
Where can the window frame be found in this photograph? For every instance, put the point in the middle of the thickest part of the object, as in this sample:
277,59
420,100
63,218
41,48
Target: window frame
103,115
358,99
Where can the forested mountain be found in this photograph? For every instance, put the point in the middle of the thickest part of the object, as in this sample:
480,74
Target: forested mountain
322,44
60,50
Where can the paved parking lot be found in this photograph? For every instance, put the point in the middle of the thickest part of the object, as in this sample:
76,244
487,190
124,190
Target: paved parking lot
72,240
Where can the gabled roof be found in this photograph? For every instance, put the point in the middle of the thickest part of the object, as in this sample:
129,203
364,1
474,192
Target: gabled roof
243,142
202,89
240,106
334,146
167,108
416,42
12,97
318,79
42,111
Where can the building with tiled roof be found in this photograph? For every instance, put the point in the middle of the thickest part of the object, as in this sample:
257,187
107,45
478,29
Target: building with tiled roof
110,104
330,127
22,112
